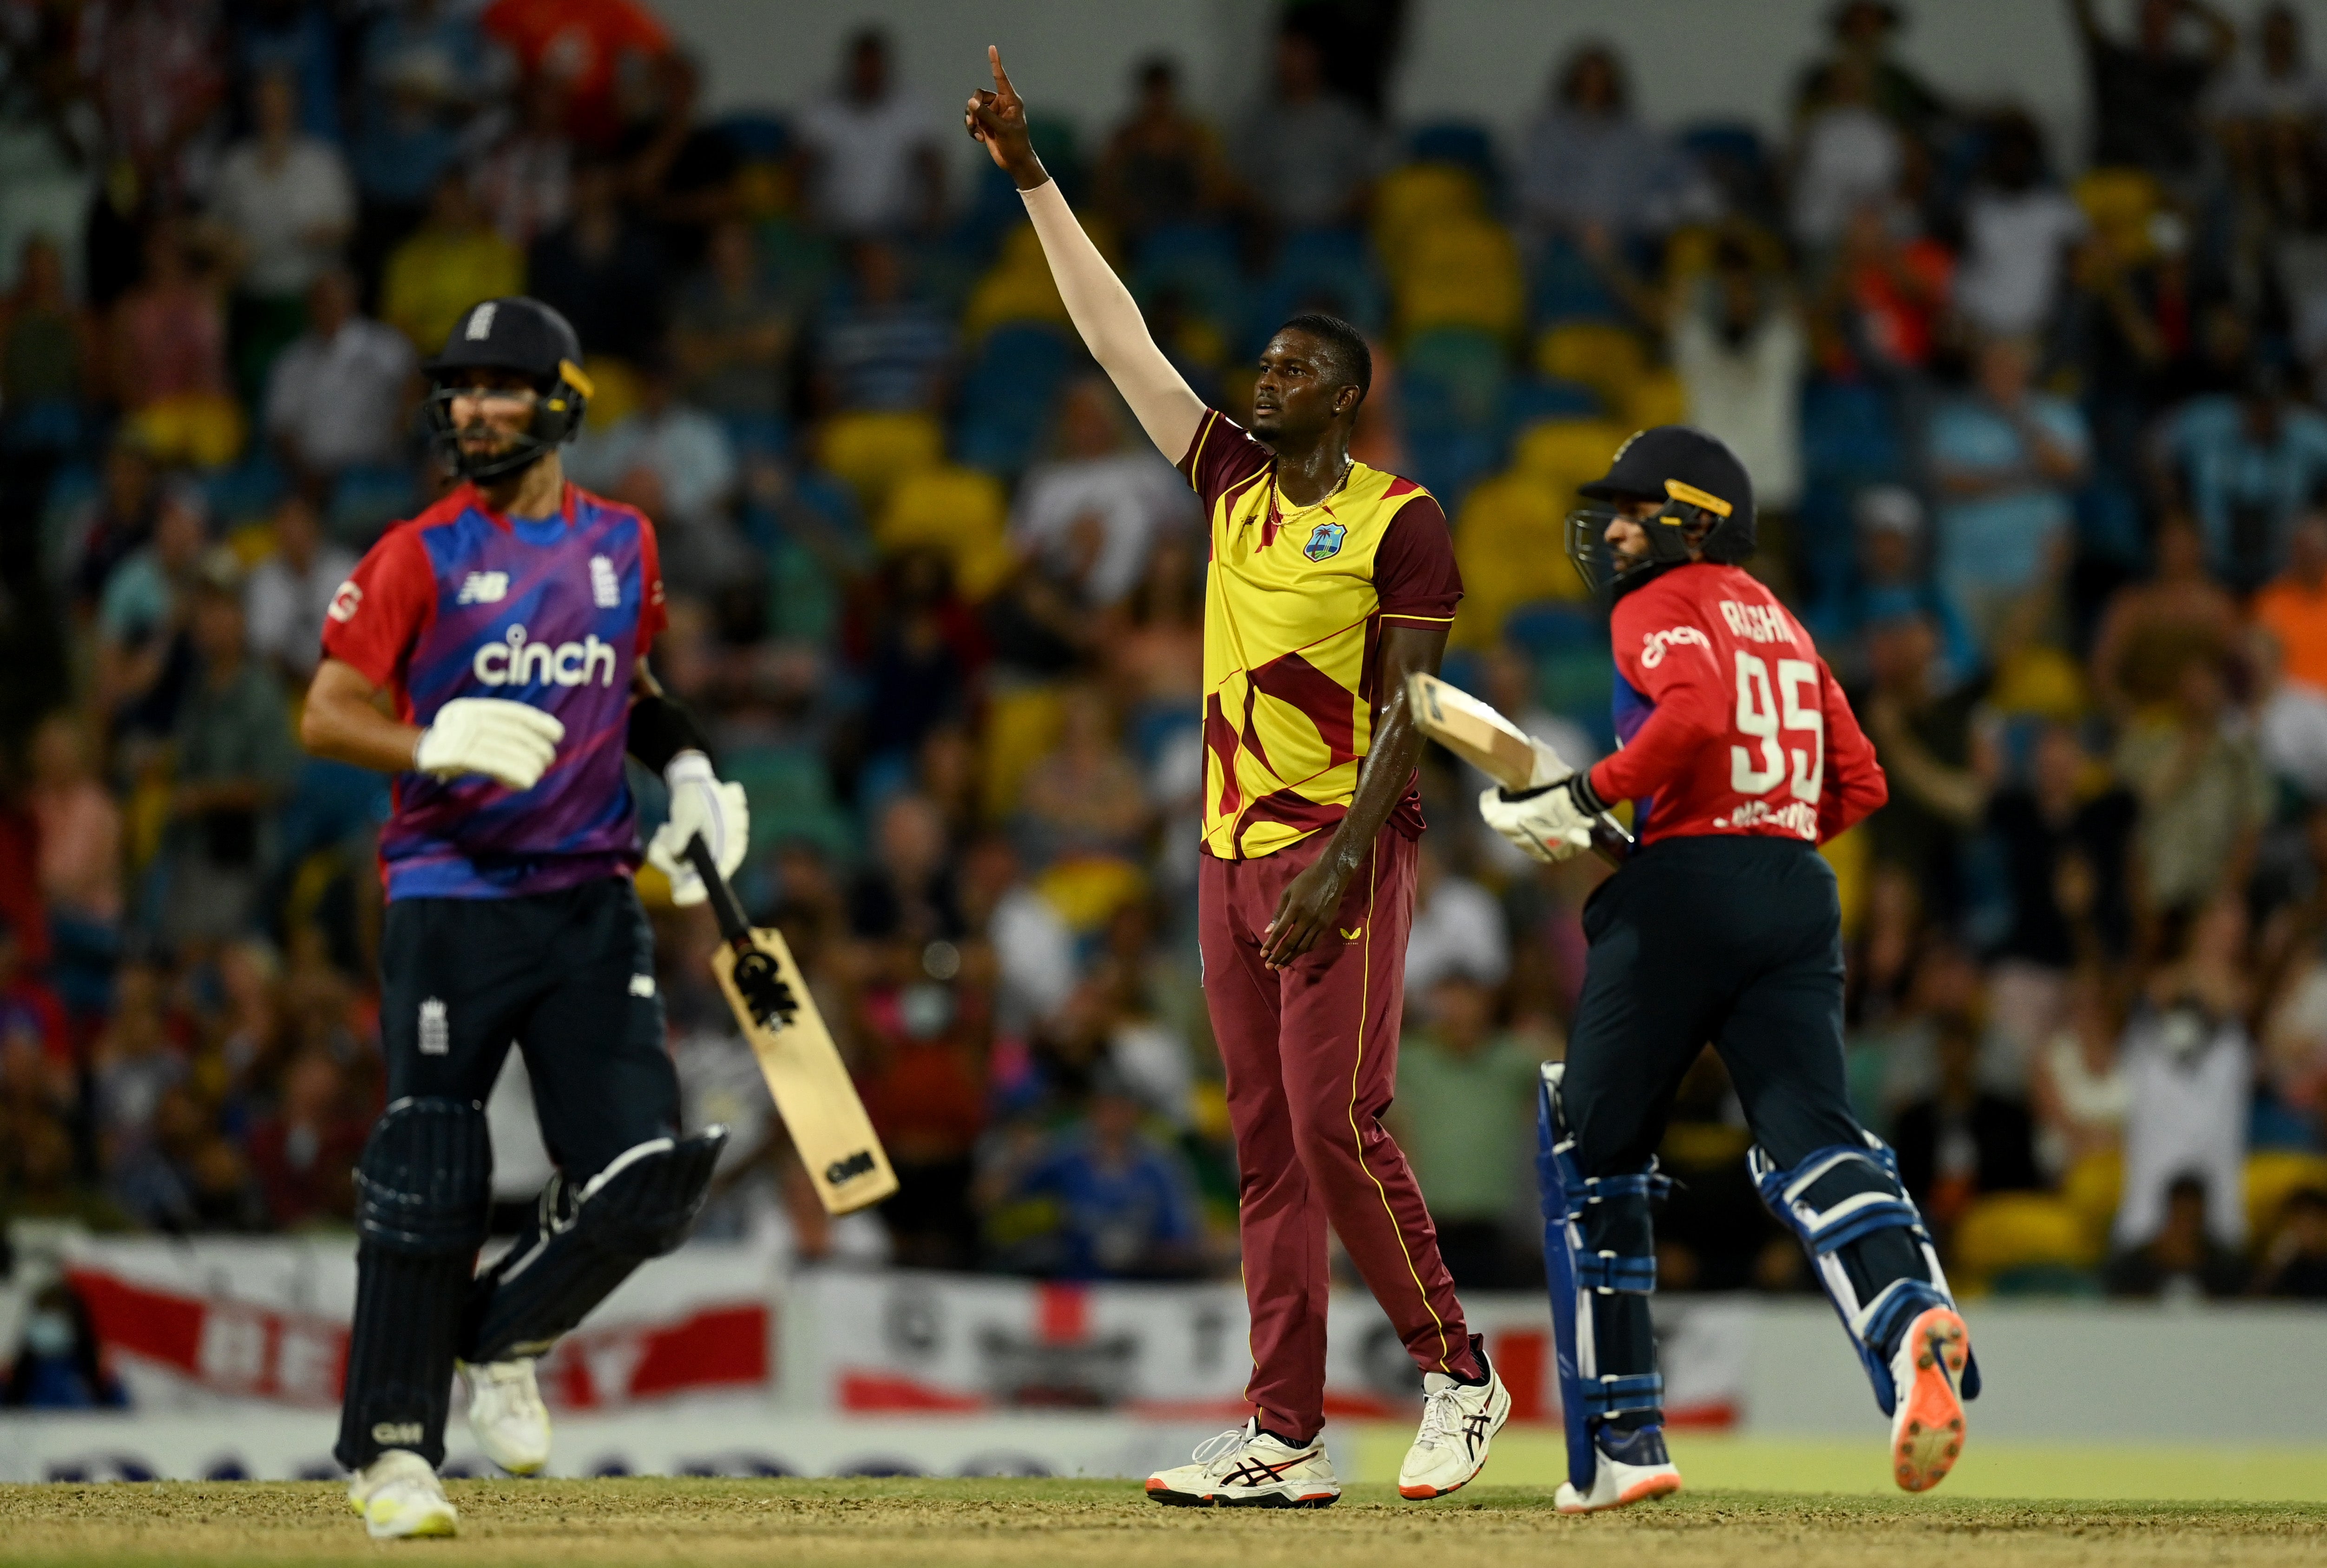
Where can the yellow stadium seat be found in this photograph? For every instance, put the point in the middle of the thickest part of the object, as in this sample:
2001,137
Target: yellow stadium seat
1022,725
1607,358
2120,202
1850,856
873,451
1508,544
959,510
1655,397
204,429
2094,1187
1018,287
1568,452
1462,273
2016,1230
1087,888
1411,201
615,391
2273,1176
2041,682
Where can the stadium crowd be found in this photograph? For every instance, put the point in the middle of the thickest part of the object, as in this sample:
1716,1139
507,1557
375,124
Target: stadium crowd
2038,457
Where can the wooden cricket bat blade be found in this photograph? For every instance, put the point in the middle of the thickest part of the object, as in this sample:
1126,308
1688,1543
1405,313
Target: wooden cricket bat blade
1472,730
810,1084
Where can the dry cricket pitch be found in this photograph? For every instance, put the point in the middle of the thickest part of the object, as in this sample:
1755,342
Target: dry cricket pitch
1057,1524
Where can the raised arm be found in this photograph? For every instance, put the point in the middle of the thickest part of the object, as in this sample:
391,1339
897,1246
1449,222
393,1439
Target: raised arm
1101,308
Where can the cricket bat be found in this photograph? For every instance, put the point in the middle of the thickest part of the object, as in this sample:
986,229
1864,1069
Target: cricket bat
805,1074
1491,744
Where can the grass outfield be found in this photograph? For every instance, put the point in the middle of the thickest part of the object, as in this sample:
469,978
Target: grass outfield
1017,1523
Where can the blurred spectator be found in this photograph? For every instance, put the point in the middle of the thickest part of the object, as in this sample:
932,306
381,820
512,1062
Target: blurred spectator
60,1364
2145,94
285,596
2151,629
113,525
186,1177
298,42
2293,607
452,260
2078,1087
885,349
908,894
1162,166
1923,737
1466,1094
1738,344
2017,229
1963,1141
155,71
141,658
1033,951
2004,459
1847,154
2204,793
1156,652
135,1061
80,826
2274,86
525,180
1886,293
342,395
2063,814
734,332
1093,512
1863,33
168,351
921,1085
590,47
2295,1262
1586,163
2188,1066
1457,929
2184,1259
2247,467
675,464
287,200
1308,154
1106,1200
422,71
305,1156
51,143
48,353
923,650
235,758
1084,797
1895,583
869,154
602,271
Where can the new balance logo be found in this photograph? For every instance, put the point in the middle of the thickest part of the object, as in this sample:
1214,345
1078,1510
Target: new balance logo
605,588
435,1028
484,588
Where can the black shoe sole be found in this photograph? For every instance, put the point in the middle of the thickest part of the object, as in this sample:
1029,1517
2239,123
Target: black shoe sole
1190,1500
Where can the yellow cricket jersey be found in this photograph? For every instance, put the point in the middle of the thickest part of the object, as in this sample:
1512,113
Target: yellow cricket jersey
1294,599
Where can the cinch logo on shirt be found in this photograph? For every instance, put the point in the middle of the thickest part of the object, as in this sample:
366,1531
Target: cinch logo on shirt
517,662
484,588
1654,646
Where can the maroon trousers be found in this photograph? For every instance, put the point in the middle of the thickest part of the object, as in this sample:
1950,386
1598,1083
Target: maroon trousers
1311,1053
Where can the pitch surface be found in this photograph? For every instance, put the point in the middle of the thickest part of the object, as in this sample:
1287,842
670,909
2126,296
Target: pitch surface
1049,1524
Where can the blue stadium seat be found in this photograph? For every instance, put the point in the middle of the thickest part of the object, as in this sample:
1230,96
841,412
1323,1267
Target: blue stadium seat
1538,398
1454,378
1564,286
760,136
1199,262
1460,142
1448,462
1007,397
1328,269
1567,644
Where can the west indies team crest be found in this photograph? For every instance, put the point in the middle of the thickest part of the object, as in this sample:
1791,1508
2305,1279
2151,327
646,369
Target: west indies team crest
1324,541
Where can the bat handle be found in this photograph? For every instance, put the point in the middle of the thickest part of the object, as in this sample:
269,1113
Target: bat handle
733,924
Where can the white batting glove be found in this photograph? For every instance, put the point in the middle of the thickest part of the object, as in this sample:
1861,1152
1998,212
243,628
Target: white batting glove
1550,767
699,802
1547,822
509,743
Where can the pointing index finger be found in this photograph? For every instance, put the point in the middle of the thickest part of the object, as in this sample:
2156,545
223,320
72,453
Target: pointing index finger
1001,76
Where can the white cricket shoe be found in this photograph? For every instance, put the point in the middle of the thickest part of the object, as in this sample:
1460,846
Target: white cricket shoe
1926,1423
398,1495
1459,1421
506,1413
1629,1467
1247,1468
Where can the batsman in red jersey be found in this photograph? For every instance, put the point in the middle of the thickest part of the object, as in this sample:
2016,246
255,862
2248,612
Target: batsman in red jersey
1741,757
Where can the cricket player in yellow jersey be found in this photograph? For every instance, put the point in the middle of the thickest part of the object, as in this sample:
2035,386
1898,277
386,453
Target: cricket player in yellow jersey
1330,581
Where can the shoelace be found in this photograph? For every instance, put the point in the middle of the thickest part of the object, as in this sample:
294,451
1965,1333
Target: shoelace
1219,1446
509,1381
1441,1416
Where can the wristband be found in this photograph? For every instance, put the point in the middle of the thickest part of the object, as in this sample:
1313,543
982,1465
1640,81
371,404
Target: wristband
660,729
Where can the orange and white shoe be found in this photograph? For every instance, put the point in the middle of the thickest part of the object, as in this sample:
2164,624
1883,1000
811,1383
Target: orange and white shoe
1927,1426
1632,1467
1247,1468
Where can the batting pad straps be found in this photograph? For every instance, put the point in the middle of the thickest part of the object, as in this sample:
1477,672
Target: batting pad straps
1836,1195
424,1186
660,730
1614,1395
